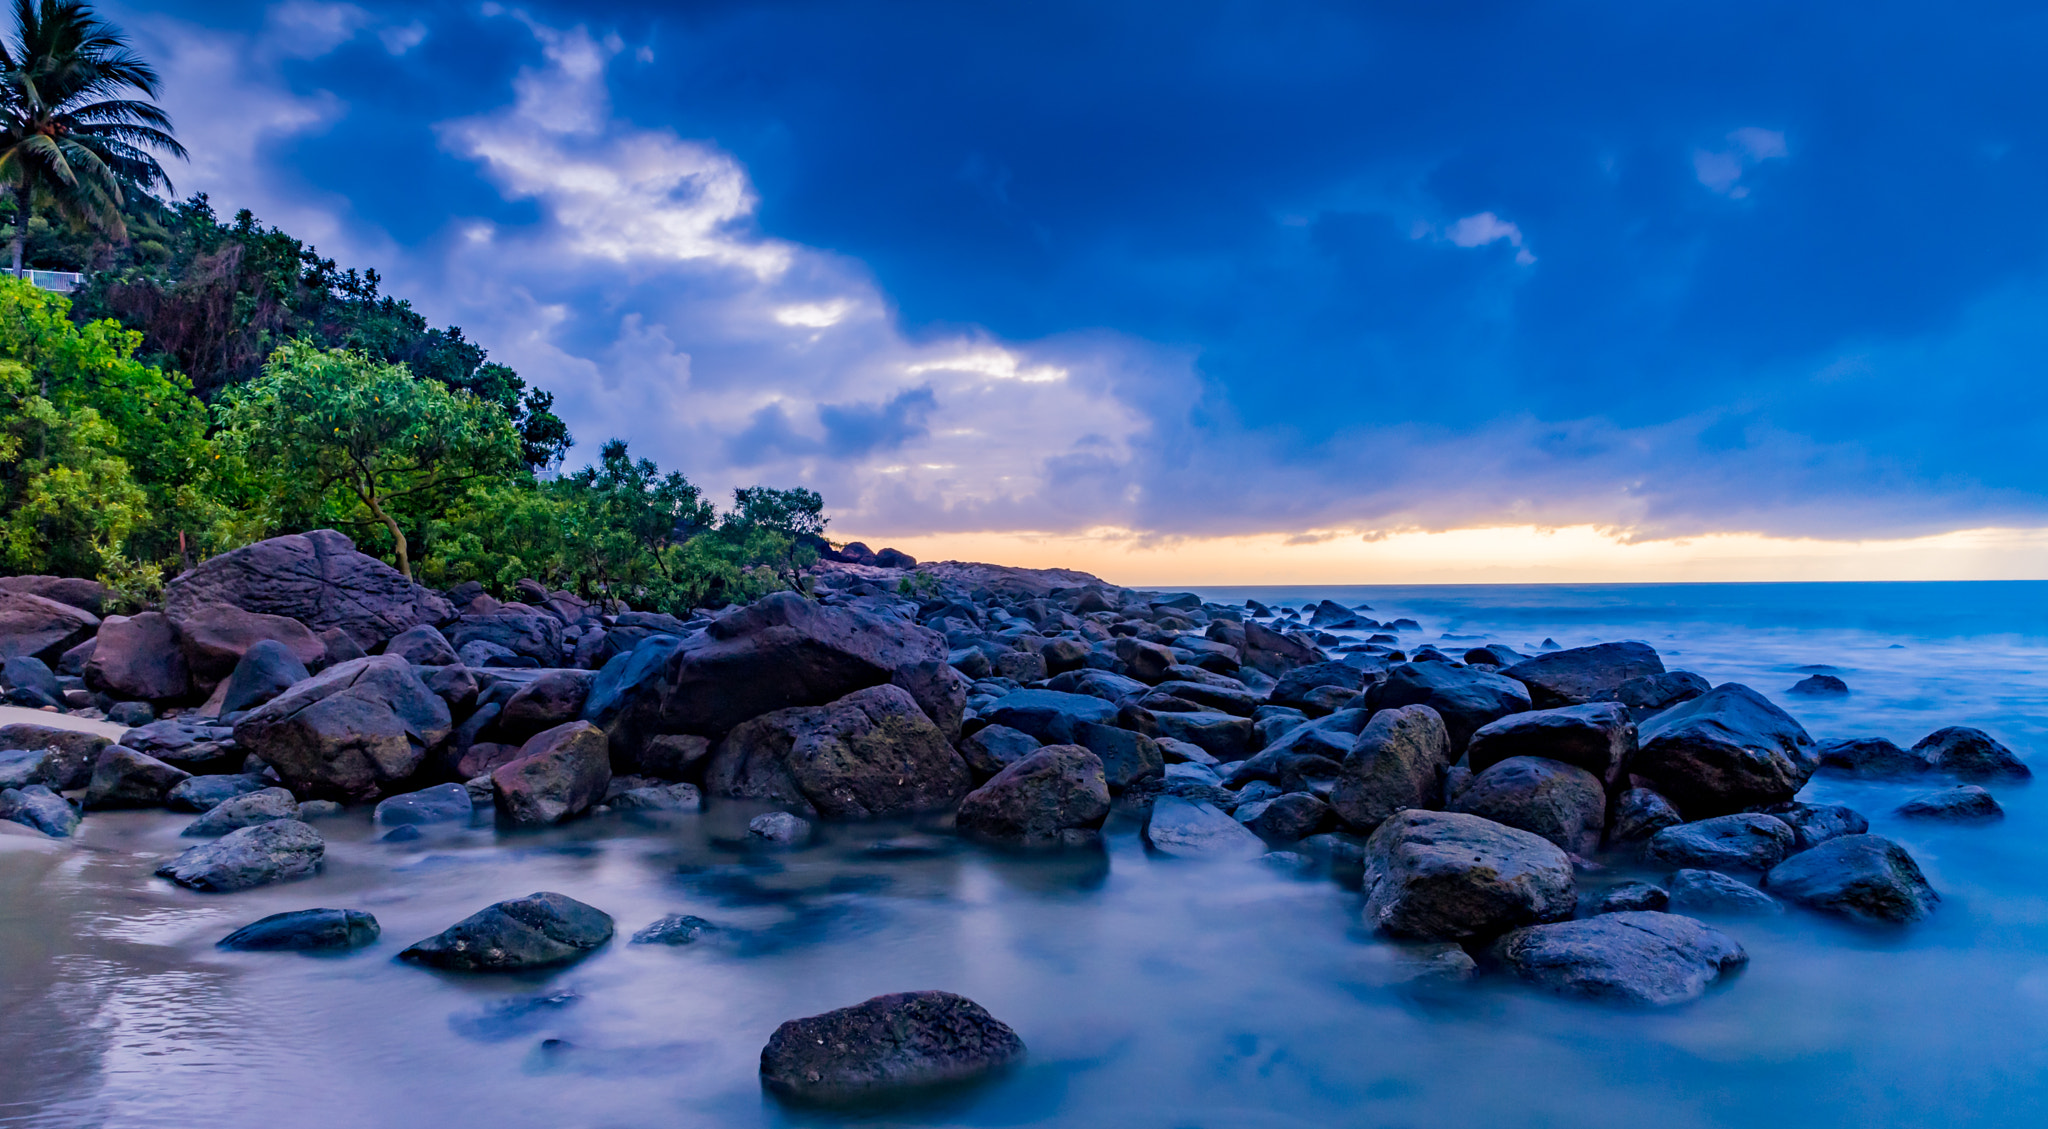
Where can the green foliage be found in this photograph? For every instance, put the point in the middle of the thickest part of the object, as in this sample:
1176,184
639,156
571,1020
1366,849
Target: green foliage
919,585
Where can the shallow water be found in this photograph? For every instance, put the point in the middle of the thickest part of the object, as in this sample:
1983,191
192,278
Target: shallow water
1150,992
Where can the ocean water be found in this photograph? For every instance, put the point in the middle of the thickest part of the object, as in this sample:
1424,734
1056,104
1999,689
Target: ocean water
1151,992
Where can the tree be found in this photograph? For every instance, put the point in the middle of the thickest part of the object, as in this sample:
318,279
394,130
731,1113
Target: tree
328,428
67,135
67,500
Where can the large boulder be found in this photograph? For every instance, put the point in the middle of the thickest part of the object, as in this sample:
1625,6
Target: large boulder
268,668
871,753
1599,737
1274,653
905,1041
1873,757
939,690
124,778
350,732
1584,674
625,697
86,595
1446,876
1964,803
559,774
1224,736
1397,763
63,758
423,645
1127,756
216,636
1196,829
254,856
1051,716
1725,750
1866,878
1971,754
318,579
1652,694
1561,802
304,931
533,638
1744,841
1636,958
1031,802
139,657
537,931
34,805
41,628
264,806
557,696
31,682
1465,697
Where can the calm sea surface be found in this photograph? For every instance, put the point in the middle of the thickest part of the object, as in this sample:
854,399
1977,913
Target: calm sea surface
1152,993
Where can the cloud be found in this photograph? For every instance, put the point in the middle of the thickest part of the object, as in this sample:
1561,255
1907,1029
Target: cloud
1721,170
1484,228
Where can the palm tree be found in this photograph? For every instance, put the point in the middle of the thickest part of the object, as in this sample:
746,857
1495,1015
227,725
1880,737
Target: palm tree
68,137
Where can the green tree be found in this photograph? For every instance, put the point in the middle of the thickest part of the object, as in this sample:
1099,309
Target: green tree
328,429
69,135
66,497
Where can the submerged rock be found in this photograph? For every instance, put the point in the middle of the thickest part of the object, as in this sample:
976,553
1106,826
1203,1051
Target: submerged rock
1633,958
264,806
1971,754
305,930
537,931
1866,878
780,828
1724,751
1710,891
904,1041
1193,829
1964,803
675,929
124,778
1743,841
34,805
1030,803
1872,757
253,856
1633,896
1445,876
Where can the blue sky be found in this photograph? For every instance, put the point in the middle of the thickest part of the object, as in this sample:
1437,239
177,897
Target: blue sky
1203,270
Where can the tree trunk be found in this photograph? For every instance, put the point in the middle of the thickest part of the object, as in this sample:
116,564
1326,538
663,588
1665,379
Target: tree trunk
397,535
21,198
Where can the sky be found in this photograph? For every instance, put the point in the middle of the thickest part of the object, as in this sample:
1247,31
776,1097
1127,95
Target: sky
1217,292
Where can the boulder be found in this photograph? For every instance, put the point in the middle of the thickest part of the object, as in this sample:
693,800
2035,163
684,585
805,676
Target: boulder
1146,662
341,647
624,699
204,793
1032,801
534,638
86,595
139,657
871,753
671,756
939,690
1561,802
443,803
1971,754
893,1043
659,797
780,829
124,778
1297,684
60,758
1286,818
537,931
1814,824
1652,694
676,929
350,732
1633,896
1599,737
993,748
263,806
1710,891
423,645
1226,737
34,805
1820,686
1726,750
253,856
304,931
216,636
1063,655
1729,842
1465,697
1964,803
1584,674
1195,829
41,628
1108,686
554,698
1050,716
268,668
1447,876
559,774
781,652
1275,654
318,579
1222,699
1127,757
1866,878
1873,757
1631,958
1396,763
26,674
1327,738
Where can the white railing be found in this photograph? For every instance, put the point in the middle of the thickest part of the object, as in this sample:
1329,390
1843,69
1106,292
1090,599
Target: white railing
61,281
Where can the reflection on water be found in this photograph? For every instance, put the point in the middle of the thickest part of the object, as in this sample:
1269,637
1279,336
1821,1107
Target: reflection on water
1151,992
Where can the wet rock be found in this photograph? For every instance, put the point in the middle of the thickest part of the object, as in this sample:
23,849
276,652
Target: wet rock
41,628
1631,958
552,699
1030,802
1872,757
1817,823
1465,697
1599,737
34,805
1965,803
675,929
27,676
1710,891
1584,674
1971,754
1651,694
443,803
1127,757
559,774
537,931
672,756
780,828
1730,842
1102,684
1396,763
893,1043
872,753
1299,683
1446,876
139,657
253,856
1867,878
305,931
266,669
1820,686
1208,696
87,595
1226,737
994,748
134,715
124,778
939,690
1724,751
1561,802
318,579
264,806
1633,896
659,798
423,645
1193,829
1050,716
1414,965
195,746
1275,654
216,637
1285,818
319,809
63,759
349,732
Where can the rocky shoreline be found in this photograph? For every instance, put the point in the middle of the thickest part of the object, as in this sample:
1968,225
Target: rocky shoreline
1476,799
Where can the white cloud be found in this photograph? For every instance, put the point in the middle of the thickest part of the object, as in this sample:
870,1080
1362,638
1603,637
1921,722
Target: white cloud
1483,228
398,39
1720,170
816,315
306,29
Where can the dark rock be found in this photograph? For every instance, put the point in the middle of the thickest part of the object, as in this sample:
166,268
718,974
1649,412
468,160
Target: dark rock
456,685
872,753
215,637
268,668
530,636
341,647
1633,896
537,931
780,828
25,672
1325,738
1651,694
1561,802
1020,666
675,929
1445,876
1817,823
1710,891
1221,699
349,732
41,628
1107,685
305,931
60,758
1285,818
1631,958
1867,878
204,793
1971,754
443,803
1275,654
1728,842
1127,757
124,778
1964,803
1493,654
939,690
1194,829
253,856
1726,750
317,578
1584,674
625,699
1599,737
559,774
86,595
550,700
422,646
1226,737
1063,655
1464,697
673,756
659,797
139,657
264,806
1146,662
993,748
34,805
1873,757
195,746
894,1043
1396,763
1030,802
1296,684
134,715
894,558
1820,686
